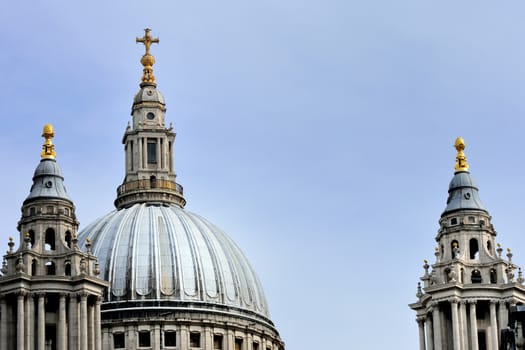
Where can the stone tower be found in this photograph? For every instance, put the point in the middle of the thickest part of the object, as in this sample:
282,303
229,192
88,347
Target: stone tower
50,294
149,144
467,292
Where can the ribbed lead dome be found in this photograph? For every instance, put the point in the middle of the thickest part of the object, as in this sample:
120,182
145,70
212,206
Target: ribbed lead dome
162,252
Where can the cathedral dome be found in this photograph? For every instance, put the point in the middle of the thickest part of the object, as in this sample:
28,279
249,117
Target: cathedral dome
165,253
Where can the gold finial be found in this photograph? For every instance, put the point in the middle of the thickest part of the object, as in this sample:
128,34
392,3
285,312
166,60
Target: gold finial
48,149
147,59
461,160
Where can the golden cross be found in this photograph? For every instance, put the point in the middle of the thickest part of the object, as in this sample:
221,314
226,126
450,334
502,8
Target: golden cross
147,40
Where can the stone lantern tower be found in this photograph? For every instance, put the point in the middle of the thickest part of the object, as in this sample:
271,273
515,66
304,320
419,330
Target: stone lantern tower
466,294
50,292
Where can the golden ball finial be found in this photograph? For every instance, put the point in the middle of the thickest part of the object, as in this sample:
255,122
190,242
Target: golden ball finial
461,159
48,149
11,238
48,131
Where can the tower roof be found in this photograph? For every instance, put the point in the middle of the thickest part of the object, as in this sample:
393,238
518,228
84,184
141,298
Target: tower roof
48,181
462,191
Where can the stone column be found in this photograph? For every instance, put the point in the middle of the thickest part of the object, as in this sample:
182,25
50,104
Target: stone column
493,324
430,331
61,327
30,324
73,322
455,324
98,330
20,322
83,322
3,323
91,326
473,326
421,326
41,328
436,320
463,323
503,315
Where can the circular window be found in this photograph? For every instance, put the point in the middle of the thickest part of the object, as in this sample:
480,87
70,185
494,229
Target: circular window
49,184
150,116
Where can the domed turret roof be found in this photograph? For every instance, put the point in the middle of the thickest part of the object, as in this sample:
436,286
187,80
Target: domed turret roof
48,181
462,191
463,194
162,252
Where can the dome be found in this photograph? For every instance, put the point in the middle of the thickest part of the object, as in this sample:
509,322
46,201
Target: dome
163,252
48,182
463,193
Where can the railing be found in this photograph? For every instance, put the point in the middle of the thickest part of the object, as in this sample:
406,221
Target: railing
149,184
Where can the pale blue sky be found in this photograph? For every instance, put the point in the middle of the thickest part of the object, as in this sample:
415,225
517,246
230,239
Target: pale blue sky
318,134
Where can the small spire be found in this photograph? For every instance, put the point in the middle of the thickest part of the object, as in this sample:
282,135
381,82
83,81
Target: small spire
147,59
461,160
48,149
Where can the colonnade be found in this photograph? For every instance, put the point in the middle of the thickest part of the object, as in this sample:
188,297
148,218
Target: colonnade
464,326
71,325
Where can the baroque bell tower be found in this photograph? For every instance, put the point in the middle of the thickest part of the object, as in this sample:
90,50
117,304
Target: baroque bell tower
148,143
50,292
466,294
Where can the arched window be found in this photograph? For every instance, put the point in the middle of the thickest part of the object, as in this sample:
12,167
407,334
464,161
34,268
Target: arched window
50,267
33,267
68,239
474,249
50,239
493,276
67,268
476,276
489,246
